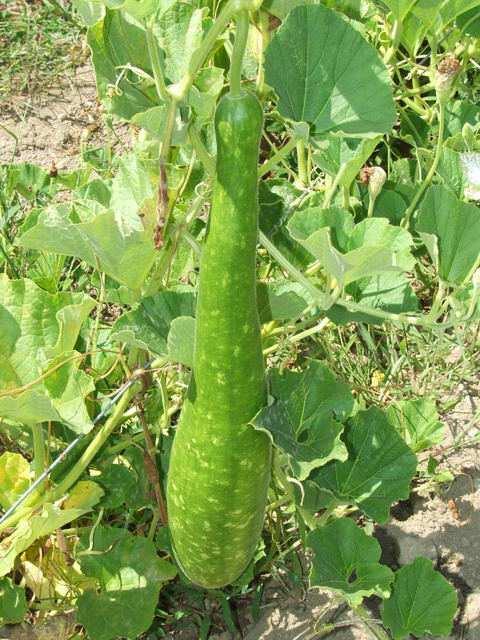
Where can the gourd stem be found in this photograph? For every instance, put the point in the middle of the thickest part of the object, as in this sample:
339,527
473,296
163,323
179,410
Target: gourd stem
39,452
265,38
241,38
429,177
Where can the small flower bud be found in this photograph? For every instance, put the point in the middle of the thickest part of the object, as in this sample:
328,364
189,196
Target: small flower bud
447,71
375,178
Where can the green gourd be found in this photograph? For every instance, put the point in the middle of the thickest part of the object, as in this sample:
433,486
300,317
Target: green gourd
220,465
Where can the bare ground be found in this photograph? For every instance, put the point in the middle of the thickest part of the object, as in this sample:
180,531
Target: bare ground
53,127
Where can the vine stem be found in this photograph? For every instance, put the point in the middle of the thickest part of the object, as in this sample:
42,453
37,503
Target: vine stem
158,74
302,163
151,467
327,201
39,451
239,47
298,337
395,35
179,90
277,158
433,168
162,198
93,339
375,629
323,300
94,447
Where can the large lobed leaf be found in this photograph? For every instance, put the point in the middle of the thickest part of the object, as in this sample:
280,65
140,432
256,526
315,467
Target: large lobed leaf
422,602
378,470
118,240
350,252
129,576
325,73
346,560
40,378
450,229
304,419
13,602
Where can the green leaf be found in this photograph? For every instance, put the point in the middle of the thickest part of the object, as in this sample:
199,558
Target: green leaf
470,168
399,8
431,17
29,180
90,11
305,417
379,468
390,292
148,326
452,9
119,483
129,577
180,341
326,74
350,252
14,477
422,602
13,602
118,42
40,378
346,560
204,93
32,528
153,120
179,32
132,190
451,171
281,301
141,8
106,240
281,8
456,227
84,495
469,22
417,421
458,113
348,156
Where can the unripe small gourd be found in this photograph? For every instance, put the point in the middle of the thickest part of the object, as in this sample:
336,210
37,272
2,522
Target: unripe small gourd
220,465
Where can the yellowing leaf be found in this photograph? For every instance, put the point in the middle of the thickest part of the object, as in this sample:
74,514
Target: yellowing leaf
84,495
14,477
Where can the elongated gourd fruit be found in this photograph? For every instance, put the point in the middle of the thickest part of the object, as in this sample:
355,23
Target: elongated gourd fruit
220,466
